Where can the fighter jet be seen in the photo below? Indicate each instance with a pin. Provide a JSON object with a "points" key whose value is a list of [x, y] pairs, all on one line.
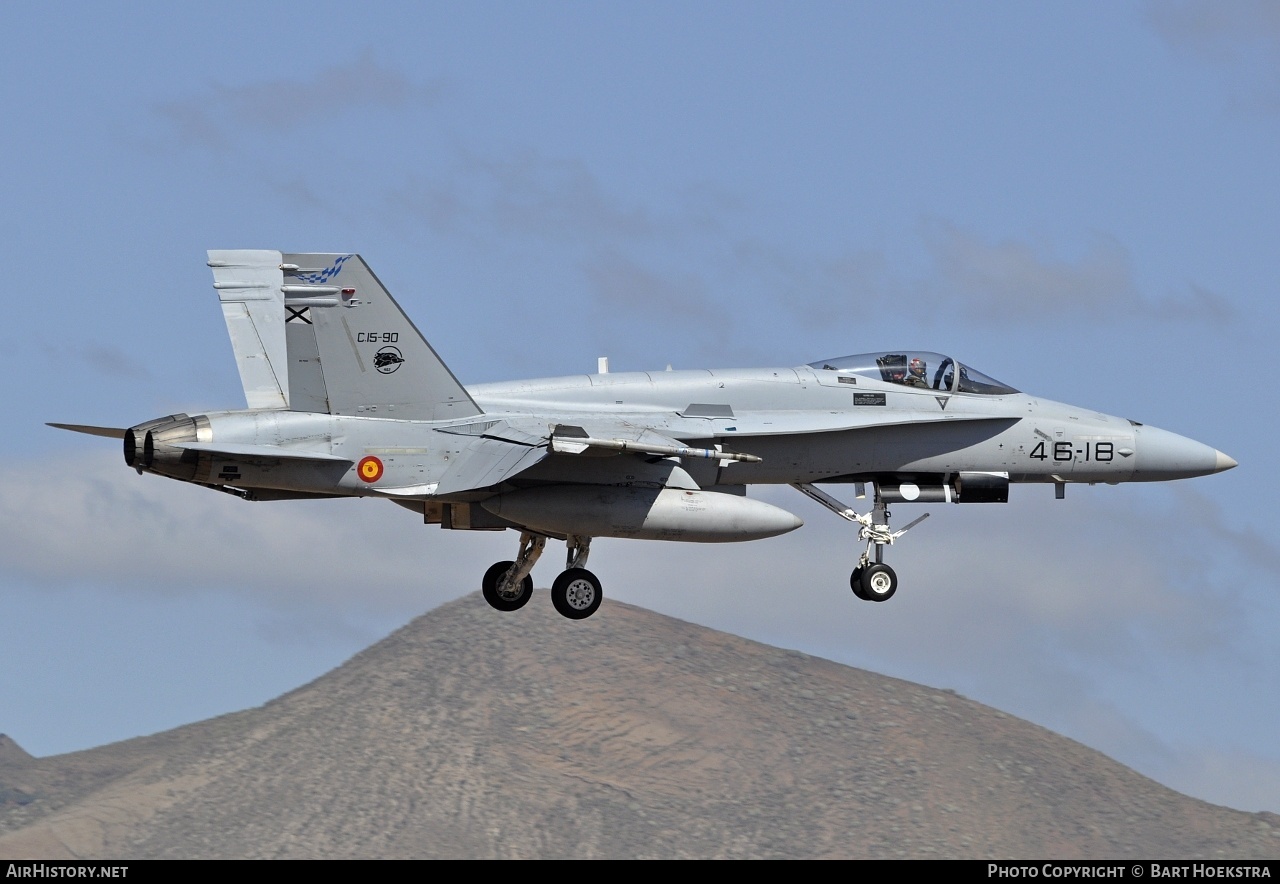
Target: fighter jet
{"points": [[347, 399]]}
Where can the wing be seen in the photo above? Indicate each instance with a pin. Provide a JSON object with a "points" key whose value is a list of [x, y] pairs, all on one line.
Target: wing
{"points": [[496, 453], [501, 451]]}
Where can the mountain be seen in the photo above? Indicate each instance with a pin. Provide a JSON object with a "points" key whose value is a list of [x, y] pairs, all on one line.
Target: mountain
{"points": [[472, 733], [11, 752]]}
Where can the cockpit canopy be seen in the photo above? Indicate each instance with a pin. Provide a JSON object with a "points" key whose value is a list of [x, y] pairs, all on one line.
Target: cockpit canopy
{"points": [[917, 368]]}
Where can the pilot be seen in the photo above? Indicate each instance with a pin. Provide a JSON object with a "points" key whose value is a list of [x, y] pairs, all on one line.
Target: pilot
{"points": [[917, 374]]}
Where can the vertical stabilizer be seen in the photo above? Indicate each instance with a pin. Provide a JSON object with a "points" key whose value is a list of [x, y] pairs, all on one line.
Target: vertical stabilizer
{"points": [[373, 361], [250, 286]]}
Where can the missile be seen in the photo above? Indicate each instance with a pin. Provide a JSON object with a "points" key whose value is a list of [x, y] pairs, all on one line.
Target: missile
{"points": [[579, 444]]}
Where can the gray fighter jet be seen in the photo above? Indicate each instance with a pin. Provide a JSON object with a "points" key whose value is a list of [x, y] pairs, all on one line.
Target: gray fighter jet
{"points": [[347, 399]]}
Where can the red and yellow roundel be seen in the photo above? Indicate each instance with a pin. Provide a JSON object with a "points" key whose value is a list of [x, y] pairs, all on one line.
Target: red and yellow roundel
{"points": [[369, 469]]}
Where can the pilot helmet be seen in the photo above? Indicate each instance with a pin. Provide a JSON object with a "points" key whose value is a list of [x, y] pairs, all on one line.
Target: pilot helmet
{"points": [[917, 367]]}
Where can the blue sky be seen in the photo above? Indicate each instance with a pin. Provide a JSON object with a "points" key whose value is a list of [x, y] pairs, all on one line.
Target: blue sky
{"points": [[1079, 199]]}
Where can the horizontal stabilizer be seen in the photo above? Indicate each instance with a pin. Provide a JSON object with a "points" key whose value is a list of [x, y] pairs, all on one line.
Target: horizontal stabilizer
{"points": [[109, 432], [237, 451]]}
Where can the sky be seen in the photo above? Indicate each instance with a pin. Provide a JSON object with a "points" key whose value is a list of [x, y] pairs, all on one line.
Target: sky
{"points": [[1079, 199]]}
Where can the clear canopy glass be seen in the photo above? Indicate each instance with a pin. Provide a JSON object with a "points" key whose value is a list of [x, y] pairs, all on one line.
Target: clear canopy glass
{"points": [[917, 368]]}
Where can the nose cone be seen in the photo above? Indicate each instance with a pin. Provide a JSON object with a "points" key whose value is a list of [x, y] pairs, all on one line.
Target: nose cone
{"points": [[786, 522], [1163, 455]]}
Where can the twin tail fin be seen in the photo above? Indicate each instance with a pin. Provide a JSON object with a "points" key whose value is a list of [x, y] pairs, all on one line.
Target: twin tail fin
{"points": [[320, 333]]}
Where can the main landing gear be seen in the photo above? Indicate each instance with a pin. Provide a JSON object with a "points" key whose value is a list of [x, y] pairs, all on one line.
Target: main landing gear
{"points": [[576, 593], [872, 581]]}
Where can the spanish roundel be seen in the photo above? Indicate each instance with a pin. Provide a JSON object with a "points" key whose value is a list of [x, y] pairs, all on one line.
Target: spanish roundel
{"points": [[369, 469]]}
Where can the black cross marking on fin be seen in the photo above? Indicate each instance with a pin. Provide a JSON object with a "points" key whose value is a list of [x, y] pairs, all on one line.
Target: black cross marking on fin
{"points": [[299, 313]]}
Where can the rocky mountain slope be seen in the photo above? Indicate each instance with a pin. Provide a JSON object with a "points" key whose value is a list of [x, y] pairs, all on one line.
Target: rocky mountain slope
{"points": [[472, 733]]}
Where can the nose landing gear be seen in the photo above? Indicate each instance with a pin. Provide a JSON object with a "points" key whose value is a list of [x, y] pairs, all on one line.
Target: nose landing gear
{"points": [[872, 581]]}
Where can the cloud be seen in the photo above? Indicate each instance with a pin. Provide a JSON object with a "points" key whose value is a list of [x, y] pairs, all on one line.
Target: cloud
{"points": [[831, 285], [974, 278], [968, 277], [104, 359], [1218, 30], [215, 119], [620, 283], [1012, 280], [525, 199], [301, 195], [524, 193], [1241, 37], [530, 193], [645, 316], [113, 362], [1252, 546], [89, 520]]}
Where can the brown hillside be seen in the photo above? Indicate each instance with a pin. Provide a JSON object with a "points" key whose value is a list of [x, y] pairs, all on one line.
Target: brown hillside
{"points": [[471, 733]]}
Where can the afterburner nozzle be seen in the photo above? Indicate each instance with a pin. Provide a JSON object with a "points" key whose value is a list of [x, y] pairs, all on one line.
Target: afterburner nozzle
{"points": [[153, 446]]}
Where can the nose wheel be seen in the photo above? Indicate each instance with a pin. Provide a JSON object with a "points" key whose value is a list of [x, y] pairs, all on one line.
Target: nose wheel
{"points": [[874, 583]]}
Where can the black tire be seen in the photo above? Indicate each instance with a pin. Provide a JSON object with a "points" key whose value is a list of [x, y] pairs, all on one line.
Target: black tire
{"points": [[879, 583], [489, 586], [576, 594], [855, 583]]}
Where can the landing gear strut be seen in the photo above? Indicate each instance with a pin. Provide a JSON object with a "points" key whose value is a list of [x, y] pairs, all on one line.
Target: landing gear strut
{"points": [[507, 586], [872, 581], [576, 593]]}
